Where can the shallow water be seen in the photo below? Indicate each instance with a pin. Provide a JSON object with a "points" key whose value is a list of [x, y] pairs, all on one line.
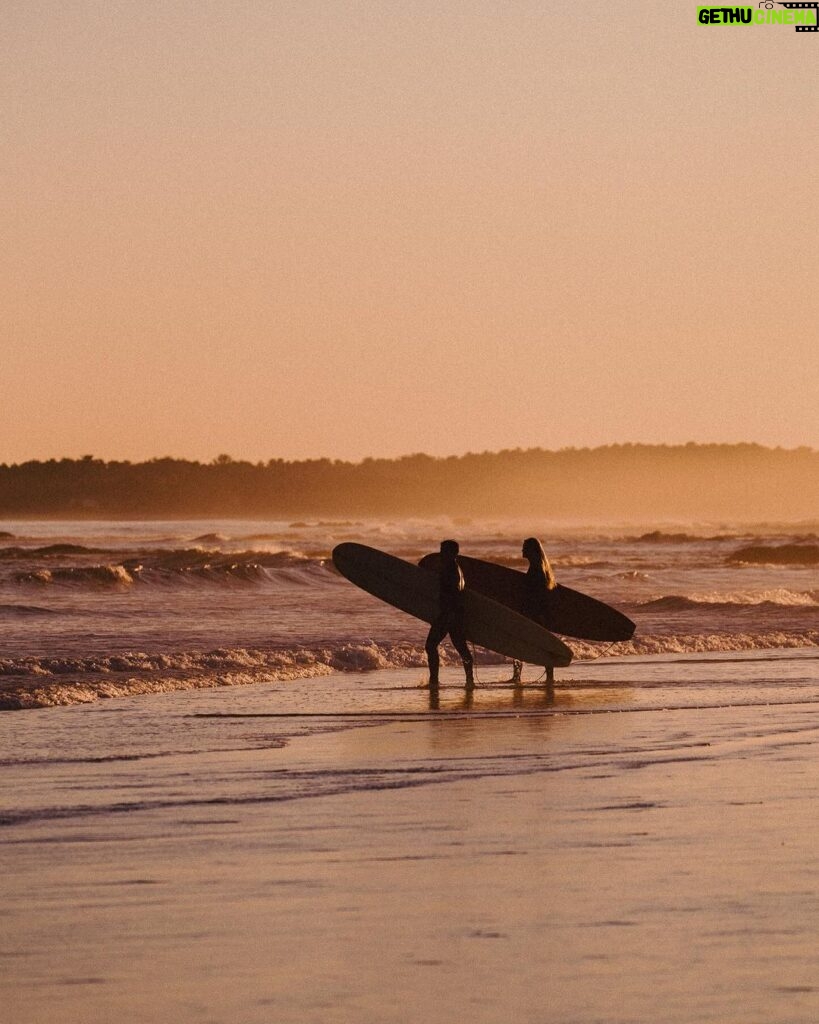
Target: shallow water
{"points": [[90, 609], [637, 845]]}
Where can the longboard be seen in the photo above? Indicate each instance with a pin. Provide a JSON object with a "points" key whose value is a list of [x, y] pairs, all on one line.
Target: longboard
{"points": [[563, 610], [415, 591]]}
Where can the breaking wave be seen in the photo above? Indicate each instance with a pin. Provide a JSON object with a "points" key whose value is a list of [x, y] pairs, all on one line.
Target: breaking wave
{"points": [[95, 575], [32, 682], [184, 565], [706, 643], [49, 551], [781, 554], [660, 537], [779, 598], [578, 562]]}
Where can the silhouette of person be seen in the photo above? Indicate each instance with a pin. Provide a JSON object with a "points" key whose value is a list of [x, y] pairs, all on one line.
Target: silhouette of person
{"points": [[450, 616], [538, 583]]}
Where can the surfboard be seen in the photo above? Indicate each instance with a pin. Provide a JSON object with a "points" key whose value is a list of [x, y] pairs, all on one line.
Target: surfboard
{"points": [[415, 591], [563, 610]]}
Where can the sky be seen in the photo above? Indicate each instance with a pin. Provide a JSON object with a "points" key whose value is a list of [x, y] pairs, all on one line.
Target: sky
{"points": [[330, 228]]}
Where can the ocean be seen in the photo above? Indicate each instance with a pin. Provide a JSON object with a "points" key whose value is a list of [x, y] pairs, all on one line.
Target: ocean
{"points": [[94, 609], [336, 844]]}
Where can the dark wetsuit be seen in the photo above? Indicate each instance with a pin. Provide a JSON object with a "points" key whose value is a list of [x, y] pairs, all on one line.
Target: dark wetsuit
{"points": [[537, 604], [450, 619], [537, 597]]}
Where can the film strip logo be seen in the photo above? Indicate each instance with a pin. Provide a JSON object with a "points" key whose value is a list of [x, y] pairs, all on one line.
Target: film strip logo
{"points": [[814, 5]]}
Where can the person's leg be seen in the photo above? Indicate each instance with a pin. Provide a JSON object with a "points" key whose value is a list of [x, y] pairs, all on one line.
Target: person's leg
{"points": [[456, 635], [437, 632], [550, 683]]}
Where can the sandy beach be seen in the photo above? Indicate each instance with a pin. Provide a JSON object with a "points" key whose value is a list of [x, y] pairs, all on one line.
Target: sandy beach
{"points": [[639, 845]]}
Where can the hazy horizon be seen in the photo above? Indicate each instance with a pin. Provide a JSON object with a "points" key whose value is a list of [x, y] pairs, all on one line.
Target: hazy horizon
{"points": [[622, 481], [238, 457]]}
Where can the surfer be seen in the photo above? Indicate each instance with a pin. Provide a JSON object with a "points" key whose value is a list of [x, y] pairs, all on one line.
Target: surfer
{"points": [[451, 616], [540, 579]]}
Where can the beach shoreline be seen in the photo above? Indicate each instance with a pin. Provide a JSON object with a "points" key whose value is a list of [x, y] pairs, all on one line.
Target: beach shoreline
{"points": [[29, 686], [637, 845], [96, 610]]}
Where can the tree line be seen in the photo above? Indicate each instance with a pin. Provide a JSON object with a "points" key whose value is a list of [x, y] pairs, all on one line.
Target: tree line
{"points": [[741, 481]]}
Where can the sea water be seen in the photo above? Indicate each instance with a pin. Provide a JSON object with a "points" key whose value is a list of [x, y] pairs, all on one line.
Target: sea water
{"points": [[336, 843], [91, 609]]}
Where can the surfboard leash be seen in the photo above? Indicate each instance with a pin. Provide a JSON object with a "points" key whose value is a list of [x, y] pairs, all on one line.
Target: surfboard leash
{"points": [[605, 650], [600, 654]]}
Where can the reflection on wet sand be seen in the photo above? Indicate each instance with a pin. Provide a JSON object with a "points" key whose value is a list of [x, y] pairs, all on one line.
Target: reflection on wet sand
{"points": [[505, 695], [497, 698]]}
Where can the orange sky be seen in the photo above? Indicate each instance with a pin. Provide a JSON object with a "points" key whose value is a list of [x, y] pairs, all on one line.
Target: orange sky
{"points": [[350, 228]]}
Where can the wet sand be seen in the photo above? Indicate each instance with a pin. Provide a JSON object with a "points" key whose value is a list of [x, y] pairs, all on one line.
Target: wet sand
{"points": [[639, 846]]}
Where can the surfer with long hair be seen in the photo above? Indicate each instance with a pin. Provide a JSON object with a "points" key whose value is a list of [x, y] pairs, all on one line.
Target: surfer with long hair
{"points": [[451, 615], [539, 582]]}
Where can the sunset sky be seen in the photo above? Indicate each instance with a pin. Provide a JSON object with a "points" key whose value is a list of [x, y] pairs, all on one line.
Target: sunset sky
{"points": [[291, 229]]}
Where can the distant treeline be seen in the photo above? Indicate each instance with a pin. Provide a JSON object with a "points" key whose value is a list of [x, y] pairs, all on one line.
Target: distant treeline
{"points": [[744, 481]]}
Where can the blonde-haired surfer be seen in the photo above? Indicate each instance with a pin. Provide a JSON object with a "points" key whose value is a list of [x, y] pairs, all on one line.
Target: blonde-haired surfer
{"points": [[539, 579]]}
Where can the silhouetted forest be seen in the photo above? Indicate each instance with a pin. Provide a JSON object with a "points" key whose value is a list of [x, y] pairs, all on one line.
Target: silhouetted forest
{"points": [[740, 482]]}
